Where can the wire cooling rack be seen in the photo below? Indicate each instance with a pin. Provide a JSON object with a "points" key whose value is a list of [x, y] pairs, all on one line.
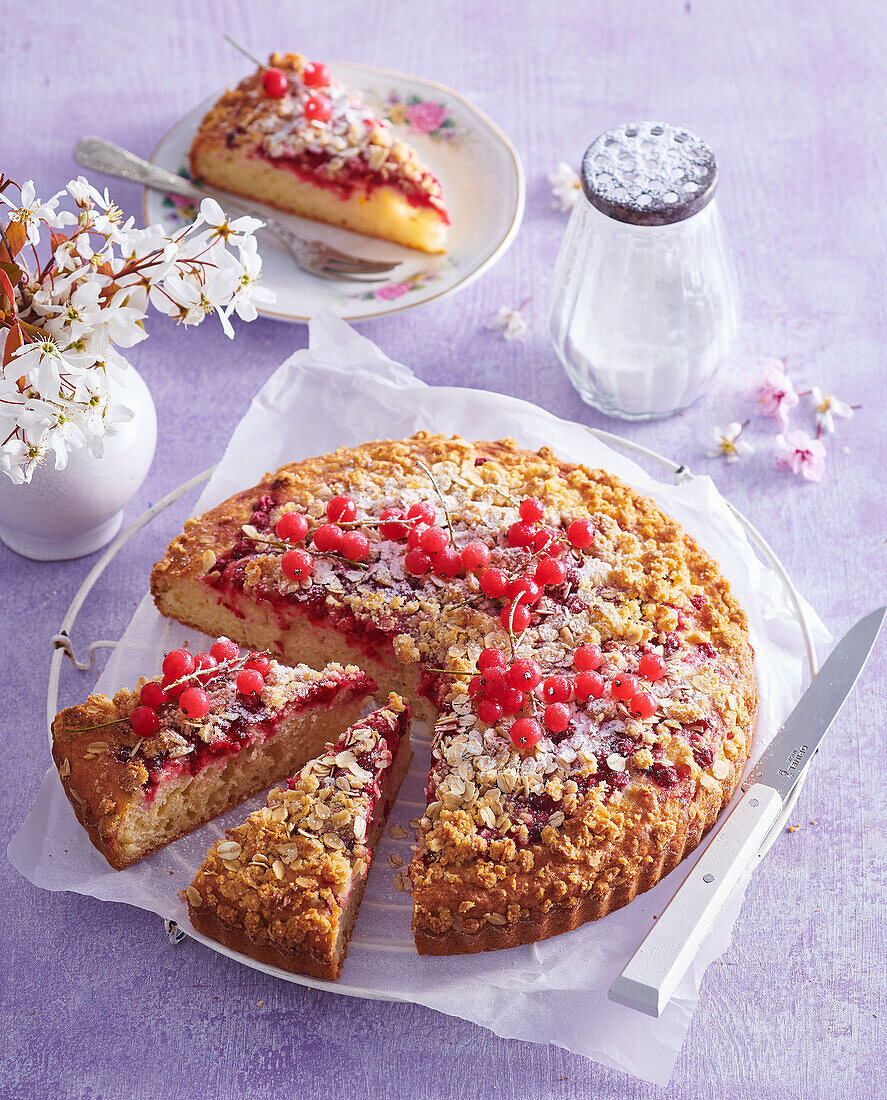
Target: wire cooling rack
{"points": [[64, 647]]}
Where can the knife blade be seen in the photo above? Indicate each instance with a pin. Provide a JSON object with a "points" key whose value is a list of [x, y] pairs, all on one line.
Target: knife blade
{"points": [[799, 736], [653, 973]]}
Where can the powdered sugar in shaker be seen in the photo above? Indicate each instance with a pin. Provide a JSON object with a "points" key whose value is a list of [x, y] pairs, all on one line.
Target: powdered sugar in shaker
{"points": [[645, 302]]}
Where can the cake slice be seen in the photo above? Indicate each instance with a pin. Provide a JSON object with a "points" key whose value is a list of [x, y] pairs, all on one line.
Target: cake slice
{"points": [[285, 886], [150, 765], [291, 137]]}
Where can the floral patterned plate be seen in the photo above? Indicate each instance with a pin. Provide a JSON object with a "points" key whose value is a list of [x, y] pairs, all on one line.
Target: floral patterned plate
{"points": [[479, 170]]}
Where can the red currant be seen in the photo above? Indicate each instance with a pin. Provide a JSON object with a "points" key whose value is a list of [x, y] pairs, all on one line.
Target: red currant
{"points": [[475, 555], [206, 666], [588, 685], [341, 510], [422, 512], [417, 562], [194, 703], [152, 695], [525, 733], [588, 658], [524, 589], [173, 690], [557, 689], [495, 683], [524, 674], [516, 622], [491, 658], [144, 721], [549, 571], [178, 663], [292, 527], [261, 662], [531, 510], [557, 717], [414, 538], [318, 108], [315, 74], [513, 701], [489, 711], [447, 563], [390, 528], [541, 539], [521, 534], [250, 682], [434, 539], [493, 583], [475, 686], [643, 705], [355, 546], [581, 533], [224, 650], [624, 686], [651, 666], [328, 538], [275, 83], [297, 564]]}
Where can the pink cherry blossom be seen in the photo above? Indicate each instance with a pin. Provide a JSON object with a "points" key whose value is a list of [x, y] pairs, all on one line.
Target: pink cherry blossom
{"points": [[774, 392], [393, 290], [801, 455], [425, 118]]}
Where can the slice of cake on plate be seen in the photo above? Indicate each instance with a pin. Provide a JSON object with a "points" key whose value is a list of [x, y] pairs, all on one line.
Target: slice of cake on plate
{"points": [[285, 886], [150, 765], [291, 137]]}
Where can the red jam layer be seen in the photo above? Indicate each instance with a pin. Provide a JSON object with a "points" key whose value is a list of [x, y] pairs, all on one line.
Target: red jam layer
{"points": [[250, 726], [359, 177]]}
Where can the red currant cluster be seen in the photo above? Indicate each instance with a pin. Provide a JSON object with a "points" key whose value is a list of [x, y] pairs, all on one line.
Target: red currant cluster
{"points": [[501, 689], [329, 538], [318, 107], [429, 548], [184, 676], [521, 593]]}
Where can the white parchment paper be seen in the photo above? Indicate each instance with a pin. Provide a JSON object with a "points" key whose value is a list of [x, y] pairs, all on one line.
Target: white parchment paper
{"points": [[343, 390]]}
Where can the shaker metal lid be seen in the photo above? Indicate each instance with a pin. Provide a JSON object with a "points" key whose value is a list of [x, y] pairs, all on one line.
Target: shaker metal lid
{"points": [[649, 173]]}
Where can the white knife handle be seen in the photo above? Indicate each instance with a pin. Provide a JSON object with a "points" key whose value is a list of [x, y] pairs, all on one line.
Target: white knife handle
{"points": [[652, 975]]}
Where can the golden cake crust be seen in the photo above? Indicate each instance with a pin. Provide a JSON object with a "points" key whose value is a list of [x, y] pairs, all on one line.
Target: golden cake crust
{"points": [[489, 872], [284, 887]]}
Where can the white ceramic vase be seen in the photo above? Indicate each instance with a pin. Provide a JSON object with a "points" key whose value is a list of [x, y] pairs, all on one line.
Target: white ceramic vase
{"points": [[68, 513]]}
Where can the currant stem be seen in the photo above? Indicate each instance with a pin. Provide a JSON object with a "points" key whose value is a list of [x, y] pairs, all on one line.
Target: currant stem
{"points": [[443, 502], [245, 53]]}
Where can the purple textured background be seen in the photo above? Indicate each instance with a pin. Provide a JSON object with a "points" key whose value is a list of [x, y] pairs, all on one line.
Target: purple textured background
{"points": [[789, 94]]}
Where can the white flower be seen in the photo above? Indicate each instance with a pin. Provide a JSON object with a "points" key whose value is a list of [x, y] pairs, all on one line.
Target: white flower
{"points": [[42, 365], [565, 186], [249, 291], [728, 444], [511, 322], [827, 408], [14, 456], [31, 212], [213, 215]]}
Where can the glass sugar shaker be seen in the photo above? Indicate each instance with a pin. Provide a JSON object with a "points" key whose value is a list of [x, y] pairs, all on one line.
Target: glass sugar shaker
{"points": [[645, 303]]}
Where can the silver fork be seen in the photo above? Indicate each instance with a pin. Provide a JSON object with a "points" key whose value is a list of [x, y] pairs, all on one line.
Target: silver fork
{"points": [[312, 256]]}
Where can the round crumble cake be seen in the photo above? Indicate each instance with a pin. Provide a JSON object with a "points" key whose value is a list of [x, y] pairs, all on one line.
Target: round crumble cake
{"points": [[586, 665]]}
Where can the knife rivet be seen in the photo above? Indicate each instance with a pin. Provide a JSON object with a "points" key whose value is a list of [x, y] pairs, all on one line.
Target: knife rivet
{"points": [[708, 878], [753, 802]]}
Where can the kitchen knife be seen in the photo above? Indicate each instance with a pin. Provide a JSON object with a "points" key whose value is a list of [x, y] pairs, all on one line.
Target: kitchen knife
{"points": [[652, 975]]}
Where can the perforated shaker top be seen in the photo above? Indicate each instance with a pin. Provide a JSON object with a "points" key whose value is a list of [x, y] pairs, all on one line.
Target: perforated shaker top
{"points": [[649, 173]]}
